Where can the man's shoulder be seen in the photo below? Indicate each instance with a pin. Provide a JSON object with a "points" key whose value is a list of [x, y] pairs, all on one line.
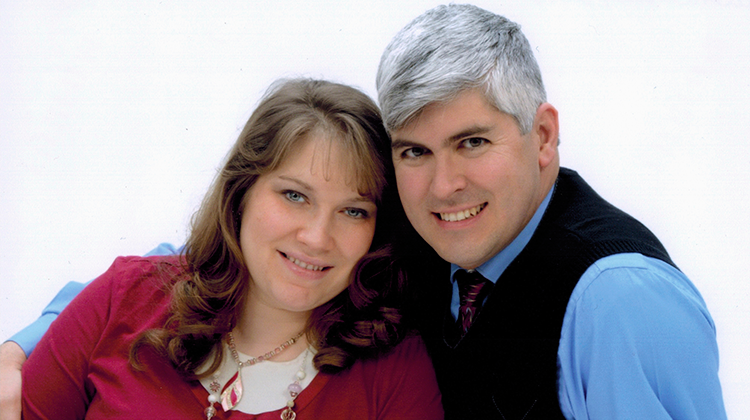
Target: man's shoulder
{"points": [[591, 225], [578, 206], [632, 280], [636, 323]]}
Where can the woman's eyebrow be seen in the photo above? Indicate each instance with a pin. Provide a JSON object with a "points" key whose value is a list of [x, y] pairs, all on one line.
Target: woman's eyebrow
{"points": [[296, 181], [359, 198]]}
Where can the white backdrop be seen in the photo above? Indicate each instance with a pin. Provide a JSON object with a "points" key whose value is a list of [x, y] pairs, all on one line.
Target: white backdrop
{"points": [[115, 115]]}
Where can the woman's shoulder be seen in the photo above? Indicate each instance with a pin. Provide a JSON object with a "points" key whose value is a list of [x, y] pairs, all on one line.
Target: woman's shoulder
{"points": [[409, 357], [147, 264], [138, 281], [410, 348], [132, 269], [400, 383]]}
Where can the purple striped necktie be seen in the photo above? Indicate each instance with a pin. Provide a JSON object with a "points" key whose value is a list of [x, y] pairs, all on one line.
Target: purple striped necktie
{"points": [[472, 289]]}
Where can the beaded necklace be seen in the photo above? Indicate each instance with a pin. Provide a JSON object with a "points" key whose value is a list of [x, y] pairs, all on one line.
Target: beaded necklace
{"points": [[232, 392]]}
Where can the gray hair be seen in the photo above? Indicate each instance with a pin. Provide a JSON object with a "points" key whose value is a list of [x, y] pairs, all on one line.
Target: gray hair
{"points": [[450, 49]]}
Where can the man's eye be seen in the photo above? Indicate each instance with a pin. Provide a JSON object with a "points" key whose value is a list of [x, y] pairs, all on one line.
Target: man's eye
{"points": [[473, 142], [294, 196], [413, 152]]}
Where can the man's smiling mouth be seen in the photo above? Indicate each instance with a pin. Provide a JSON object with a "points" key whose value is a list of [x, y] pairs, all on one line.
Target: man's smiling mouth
{"points": [[461, 215]]}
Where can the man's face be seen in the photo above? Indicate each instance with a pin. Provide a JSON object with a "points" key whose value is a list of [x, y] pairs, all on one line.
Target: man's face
{"points": [[469, 181]]}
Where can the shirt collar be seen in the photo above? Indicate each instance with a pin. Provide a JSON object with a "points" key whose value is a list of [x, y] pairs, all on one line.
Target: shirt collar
{"points": [[495, 266]]}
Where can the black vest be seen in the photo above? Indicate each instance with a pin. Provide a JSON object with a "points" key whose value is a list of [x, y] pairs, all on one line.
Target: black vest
{"points": [[505, 367]]}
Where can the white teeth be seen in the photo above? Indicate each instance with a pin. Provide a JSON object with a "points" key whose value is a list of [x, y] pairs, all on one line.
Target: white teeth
{"points": [[304, 264], [461, 215]]}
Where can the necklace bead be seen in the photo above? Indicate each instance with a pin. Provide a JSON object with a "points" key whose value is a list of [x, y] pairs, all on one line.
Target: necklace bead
{"points": [[295, 388]]}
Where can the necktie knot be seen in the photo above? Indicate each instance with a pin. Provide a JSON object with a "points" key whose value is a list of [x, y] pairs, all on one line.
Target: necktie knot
{"points": [[472, 289]]}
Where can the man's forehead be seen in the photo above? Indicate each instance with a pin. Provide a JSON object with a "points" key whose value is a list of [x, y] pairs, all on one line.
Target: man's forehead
{"points": [[465, 115]]}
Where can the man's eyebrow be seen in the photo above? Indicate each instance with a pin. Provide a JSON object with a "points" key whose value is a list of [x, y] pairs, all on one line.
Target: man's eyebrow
{"points": [[399, 144], [468, 132]]}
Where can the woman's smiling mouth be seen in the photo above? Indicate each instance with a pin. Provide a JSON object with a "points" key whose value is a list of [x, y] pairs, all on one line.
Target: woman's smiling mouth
{"points": [[303, 264]]}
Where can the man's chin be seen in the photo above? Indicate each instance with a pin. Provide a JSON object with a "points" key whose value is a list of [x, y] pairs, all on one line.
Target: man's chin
{"points": [[456, 254]]}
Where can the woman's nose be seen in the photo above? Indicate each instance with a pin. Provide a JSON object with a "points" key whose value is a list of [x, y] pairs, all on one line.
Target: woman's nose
{"points": [[316, 233]]}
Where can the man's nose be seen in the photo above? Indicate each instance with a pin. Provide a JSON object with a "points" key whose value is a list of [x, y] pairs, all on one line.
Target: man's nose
{"points": [[448, 176]]}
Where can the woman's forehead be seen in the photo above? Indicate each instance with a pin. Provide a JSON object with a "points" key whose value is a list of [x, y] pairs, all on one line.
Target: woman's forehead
{"points": [[338, 156], [328, 156]]}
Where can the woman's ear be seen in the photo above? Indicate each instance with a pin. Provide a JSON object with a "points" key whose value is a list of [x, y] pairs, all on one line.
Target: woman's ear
{"points": [[546, 129]]}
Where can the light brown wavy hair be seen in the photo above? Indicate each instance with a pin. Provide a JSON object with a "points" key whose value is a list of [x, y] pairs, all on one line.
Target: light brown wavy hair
{"points": [[365, 319]]}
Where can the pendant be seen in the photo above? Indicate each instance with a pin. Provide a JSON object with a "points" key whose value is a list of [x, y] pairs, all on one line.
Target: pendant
{"points": [[232, 392], [288, 414]]}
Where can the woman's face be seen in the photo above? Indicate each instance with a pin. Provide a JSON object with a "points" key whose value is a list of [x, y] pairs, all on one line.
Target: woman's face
{"points": [[304, 227]]}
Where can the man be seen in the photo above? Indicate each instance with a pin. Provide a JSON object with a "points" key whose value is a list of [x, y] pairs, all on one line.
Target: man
{"points": [[585, 315], [582, 313]]}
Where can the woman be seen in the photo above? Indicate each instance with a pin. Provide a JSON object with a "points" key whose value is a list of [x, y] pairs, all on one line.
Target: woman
{"points": [[283, 304]]}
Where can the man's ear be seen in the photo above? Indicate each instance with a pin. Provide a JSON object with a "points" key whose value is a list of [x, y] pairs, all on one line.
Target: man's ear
{"points": [[547, 129]]}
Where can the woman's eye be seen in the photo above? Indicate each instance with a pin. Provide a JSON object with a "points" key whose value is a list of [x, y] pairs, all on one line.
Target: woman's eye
{"points": [[294, 196], [356, 213]]}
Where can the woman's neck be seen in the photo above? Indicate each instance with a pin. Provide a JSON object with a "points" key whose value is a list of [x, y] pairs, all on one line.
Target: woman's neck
{"points": [[261, 329]]}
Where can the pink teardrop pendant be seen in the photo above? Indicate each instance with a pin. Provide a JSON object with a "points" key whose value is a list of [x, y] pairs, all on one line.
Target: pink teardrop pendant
{"points": [[232, 392]]}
